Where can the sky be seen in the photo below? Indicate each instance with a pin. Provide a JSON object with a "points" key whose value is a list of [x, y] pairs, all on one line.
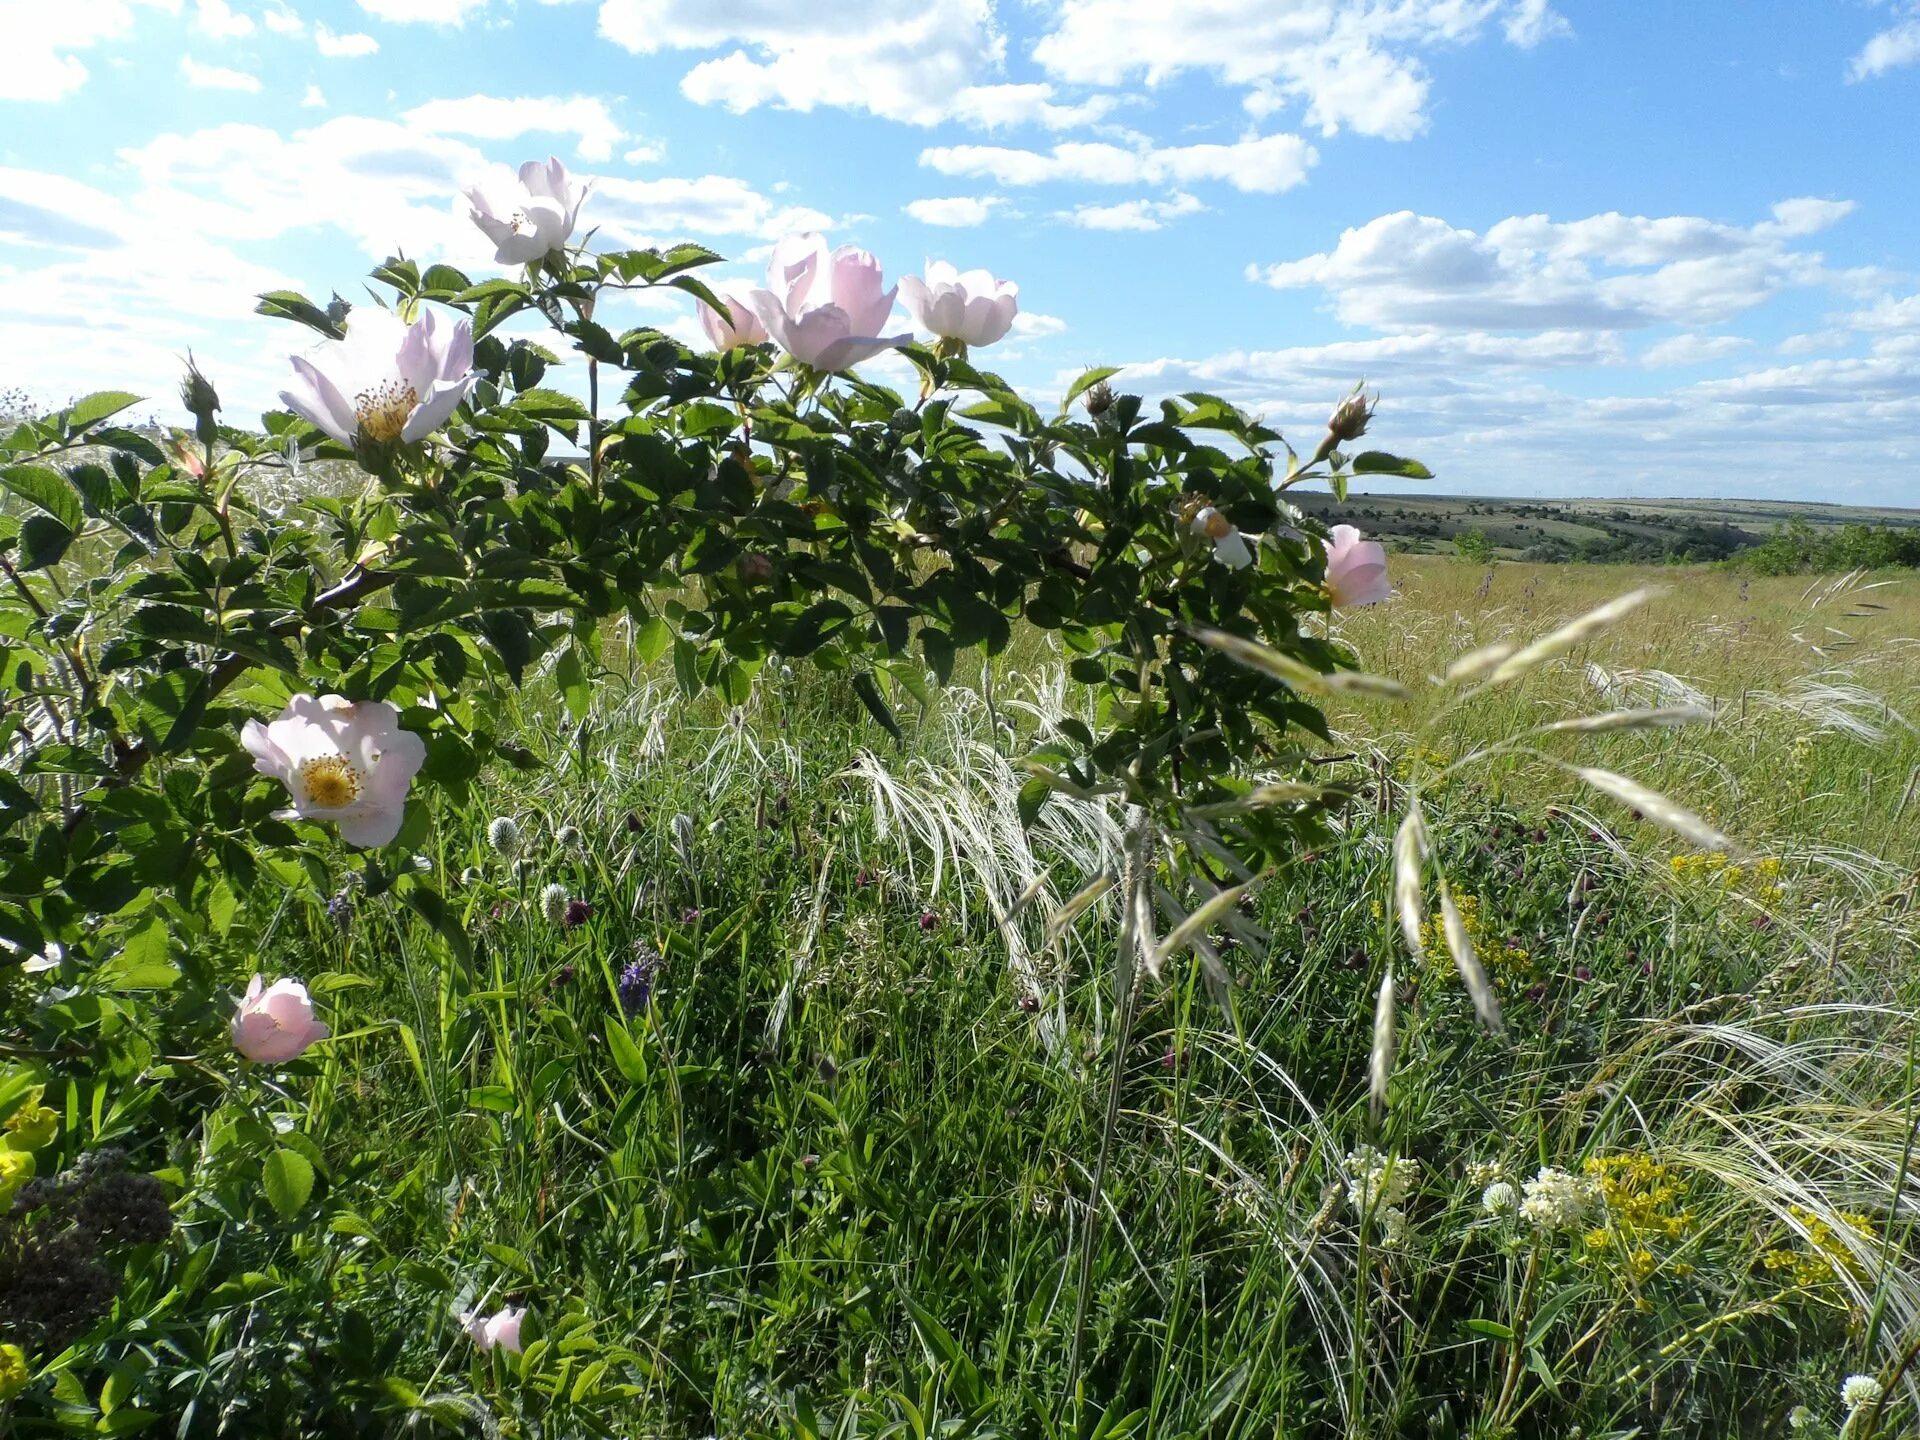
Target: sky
{"points": [[1580, 247]]}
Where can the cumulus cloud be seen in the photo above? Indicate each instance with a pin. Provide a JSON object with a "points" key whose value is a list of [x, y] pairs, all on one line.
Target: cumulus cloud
{"points": [[38, 41], [220, 21], [958, 211], [342, 47], [1680, 350], [1608, 272], [1892, 48], [488, 117], [1266, 164], [216, 77], [904, 60], [1133, 214], [428, 12], [1349, 64]]}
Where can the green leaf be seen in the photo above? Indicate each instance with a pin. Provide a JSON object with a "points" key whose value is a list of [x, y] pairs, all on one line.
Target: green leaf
{"points": [[43, 541], [1088, 379], [291, 305], [627, 1058], [47, 488], [288, 1180], [571, 676], [1032, 799], [870, 696], [1492, 1329], [1378, 462], [550, 407], [92, 409]]}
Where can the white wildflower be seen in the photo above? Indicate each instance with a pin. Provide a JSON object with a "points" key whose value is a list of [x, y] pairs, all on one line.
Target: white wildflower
{"points": [[1557, 1200], [553, 903], [1500, 1198], [568, 837], [1859, 1391], [1394, 1229], [1482, 1173], [1376, 1180], [504, 836]]}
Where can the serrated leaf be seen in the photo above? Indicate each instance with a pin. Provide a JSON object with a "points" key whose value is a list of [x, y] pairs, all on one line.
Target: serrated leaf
{"points": [[92, 409], [287, 1178], [47, 488]]}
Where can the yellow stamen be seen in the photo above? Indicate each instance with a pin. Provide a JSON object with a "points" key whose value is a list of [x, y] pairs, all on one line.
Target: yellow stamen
{"points": [[330, 782], [383, 410]]}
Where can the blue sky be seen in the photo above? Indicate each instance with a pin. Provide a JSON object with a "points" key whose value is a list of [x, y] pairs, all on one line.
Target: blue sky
{"points": [[1581, 247]]}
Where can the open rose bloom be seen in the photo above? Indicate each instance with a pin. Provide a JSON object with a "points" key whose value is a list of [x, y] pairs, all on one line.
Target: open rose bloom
{"points": [[1356, 569], [825, 308], [274, 1023], [340, 761], [973, 308], [388, 381], [500, 1329], [531, 215], [1230, 547], [739, 326]]}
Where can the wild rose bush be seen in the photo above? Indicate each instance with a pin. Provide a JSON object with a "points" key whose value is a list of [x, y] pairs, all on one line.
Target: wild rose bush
{"points": [[217, 701]]}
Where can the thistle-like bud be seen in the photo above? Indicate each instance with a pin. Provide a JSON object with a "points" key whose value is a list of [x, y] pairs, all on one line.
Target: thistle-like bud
{"points": [[504, 836], [553, 904], [1098, 399], [201, 401], [568, 837], [1349, 419]]}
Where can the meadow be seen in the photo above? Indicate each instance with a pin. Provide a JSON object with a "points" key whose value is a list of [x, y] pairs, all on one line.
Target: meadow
{"points": [[833, 1177]]}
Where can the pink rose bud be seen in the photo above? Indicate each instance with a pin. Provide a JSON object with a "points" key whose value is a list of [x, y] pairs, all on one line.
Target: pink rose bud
{"points": [[274, 1023], [1356, 569], [501, 1329]]}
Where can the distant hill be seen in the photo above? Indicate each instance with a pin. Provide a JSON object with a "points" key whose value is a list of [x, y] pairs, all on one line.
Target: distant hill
{"points": [[1637, 531]]}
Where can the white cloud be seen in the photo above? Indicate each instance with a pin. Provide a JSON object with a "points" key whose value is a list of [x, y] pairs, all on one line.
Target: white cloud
{"points": [[313, 99], [1408, 271], [36, 36], [1133, 214], [1031, 325], [954, 210], [1814, 341], [430, 12], [1264, 164], [216, 77], [1352, 64], [220, 20], [649, 152], [1679, 350], [997, 107], [487, 117], [1889, 50], [282, 21], [917, 61], [644, 212], [342, 47]]}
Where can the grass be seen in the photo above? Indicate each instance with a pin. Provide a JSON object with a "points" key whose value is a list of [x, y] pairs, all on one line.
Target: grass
{"points": [[834, 1177]]}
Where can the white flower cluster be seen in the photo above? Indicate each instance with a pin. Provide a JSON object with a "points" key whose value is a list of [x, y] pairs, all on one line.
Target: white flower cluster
{"points": [[1860, 1391], [1500, 1198], [1376, 1180], [1482, 1173], [504, 836], [1557, 1199], [553, 903]]}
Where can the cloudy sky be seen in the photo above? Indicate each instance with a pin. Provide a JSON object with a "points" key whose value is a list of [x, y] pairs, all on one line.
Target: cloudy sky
{"points": [[1580, 246]]}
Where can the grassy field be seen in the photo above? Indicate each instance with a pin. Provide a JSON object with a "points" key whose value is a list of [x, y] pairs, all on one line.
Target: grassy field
{"points": [[1542, 529], [831, 1173]]}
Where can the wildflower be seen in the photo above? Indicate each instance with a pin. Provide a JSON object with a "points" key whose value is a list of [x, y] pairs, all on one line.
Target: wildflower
{"points": [[825, 308], [340, 910], [504, 836], [347, 762], [1230, 547], [1557, 1200], [1582, 974], [274, 1023], [471, 875], [1394, 1229], [577, 913], [500, 1330], [1484, 1172], [553, 904], [388, 381], [1800, 1418], [568, 837], [1376, 1180], [564, 976], [635, 986], [13, 1371], [1499, 1198], [1356, 569], [531, 216], [1098, 399], [928, 920], [690, 914], [1350, 418], [1029, 1004], [33, 1124], [738, 325], [1859, 1391], [16, 1169], [971, 307]]}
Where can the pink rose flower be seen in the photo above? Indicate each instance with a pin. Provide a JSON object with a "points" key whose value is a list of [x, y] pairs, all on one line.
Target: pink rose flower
{"points": [[1356, 569], [340, 761], [274, 1023]]}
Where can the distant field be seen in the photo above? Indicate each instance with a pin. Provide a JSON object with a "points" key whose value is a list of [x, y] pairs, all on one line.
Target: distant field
{"points": [[1552, 530]]}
